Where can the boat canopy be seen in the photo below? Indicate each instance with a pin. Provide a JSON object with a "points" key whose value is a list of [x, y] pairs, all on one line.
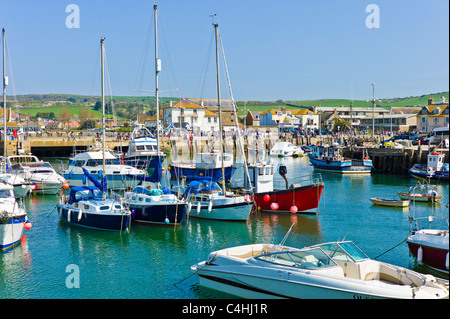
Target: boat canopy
{"points": [[203, 185], [84, 193], [145, 191]]}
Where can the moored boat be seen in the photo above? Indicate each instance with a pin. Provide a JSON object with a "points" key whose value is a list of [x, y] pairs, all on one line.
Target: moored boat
{"points": [[390, 202], [206, 165], [428, 239], [207, 200], [286, 149], [330, 159], [421, 193], [35, 172], [336, 270], [435, 169], [13, 218], [302, 196]]}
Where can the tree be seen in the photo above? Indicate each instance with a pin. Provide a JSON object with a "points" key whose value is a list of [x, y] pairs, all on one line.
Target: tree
{"points": [[340, 124], [65, 115], [84, 115]]}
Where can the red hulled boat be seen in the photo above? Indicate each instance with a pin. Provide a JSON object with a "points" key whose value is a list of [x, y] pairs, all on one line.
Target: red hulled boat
{"points": [[300, 197]]}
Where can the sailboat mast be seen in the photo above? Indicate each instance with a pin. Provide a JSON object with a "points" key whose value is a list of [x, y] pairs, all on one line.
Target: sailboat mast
{"points": [[157, 70], [4, 103], [102, 40], [216, 28]]}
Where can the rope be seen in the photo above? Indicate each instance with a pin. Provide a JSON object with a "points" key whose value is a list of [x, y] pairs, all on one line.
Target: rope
{"points": [[391, 248]]}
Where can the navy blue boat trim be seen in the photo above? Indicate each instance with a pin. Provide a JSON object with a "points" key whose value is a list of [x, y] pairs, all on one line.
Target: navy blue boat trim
{"points": [[238, 285]]}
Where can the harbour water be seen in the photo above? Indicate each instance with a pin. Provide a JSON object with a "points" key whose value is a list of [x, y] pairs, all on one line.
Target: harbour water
{"points": [[150, 261]]}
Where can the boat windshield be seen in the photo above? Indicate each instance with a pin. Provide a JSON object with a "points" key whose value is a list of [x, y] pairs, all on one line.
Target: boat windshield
{"points": [[307, 259], [346, 251]]}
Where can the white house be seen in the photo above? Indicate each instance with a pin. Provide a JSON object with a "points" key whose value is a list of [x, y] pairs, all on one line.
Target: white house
{"points": [[190, 115]]}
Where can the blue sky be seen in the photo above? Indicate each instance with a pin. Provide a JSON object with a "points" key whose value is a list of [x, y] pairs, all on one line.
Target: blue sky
{"points": [[284, 49]]}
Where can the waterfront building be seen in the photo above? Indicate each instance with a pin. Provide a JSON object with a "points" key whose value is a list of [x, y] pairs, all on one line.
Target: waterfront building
{"points": [[434, 115]]}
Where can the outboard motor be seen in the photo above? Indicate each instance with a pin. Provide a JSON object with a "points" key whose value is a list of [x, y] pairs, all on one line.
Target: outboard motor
{"points": [[282, 170]]}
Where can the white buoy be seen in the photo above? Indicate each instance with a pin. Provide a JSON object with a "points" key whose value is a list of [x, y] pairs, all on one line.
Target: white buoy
{"points": [[68, 215], [420, 254], [199, 207], [189, 207]]}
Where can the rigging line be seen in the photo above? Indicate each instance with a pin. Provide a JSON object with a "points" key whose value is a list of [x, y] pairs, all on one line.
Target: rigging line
{"points": [[144, 56], [205, 68], [235, 111], [16, 104], [108, 79], [167, 49], [95, 70]]}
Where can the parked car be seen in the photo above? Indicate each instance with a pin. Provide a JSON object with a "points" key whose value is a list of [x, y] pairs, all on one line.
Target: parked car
{"points": [[420, 141], [408, 136]]}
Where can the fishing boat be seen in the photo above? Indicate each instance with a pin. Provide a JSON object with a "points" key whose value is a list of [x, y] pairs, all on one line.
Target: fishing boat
{"points": [[435, 169], [390, 202], [116, 172], [428, 238], [286, 149], [422, 193], [207, 200], [302, 196], [330, 159], [142, 148], [13, 218], [35, 172], [336, 270], [152, 204], [206, 165]]}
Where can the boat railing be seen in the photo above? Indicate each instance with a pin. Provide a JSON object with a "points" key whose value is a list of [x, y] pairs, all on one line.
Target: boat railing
{"points": [[298, 181]]}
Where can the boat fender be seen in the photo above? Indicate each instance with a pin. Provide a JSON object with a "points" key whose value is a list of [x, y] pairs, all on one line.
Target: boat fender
{"points": [[210, 206], [446, 261], [199, 207], [420, 254], [211, 258], [80, 213], [189, 207], [68, 215]]}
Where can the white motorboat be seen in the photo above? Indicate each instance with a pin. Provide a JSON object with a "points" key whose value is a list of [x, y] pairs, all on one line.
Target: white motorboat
{"points": [[286, 149], [41, 174], [21, 186], [142, 148], [116, 172], [13, 218], [337, 270]]}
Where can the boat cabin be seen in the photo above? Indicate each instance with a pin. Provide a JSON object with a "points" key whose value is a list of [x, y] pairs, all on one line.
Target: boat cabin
{"points": [[435, 161], [321, 152], [93, 159], [213, 159], [261, 177]]}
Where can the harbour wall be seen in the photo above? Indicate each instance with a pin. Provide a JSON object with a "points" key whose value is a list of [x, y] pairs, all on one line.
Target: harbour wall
{"points": [[391, 161]]}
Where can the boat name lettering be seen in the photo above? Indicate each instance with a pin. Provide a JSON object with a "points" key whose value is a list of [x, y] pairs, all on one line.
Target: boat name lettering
{"points": [[361, 297]]}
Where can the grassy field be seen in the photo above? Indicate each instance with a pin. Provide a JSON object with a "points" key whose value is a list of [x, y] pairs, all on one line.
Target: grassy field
{"points": [[34, 103]]}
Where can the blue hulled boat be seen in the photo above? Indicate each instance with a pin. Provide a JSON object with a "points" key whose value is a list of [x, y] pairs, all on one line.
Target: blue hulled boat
{"points": [[155, 205], [206, 165], [435, 169], [330, 159], [86, 207]]}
